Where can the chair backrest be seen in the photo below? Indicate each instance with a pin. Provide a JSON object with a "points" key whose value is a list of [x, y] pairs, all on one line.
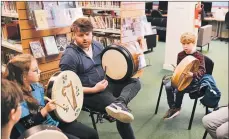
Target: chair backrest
{"points": [[204, 35], [227, 20], [156, 13], [209, 65]]}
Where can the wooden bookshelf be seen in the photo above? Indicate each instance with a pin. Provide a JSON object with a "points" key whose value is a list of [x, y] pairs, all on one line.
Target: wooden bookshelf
{"points": [[15, 47], [114, 31], [3, 68], [127, 9], [50, 64], [13, 15], [102, 8]]}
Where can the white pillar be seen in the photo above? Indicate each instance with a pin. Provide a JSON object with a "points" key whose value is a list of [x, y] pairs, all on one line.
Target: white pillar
{"points": [[180, 19]]}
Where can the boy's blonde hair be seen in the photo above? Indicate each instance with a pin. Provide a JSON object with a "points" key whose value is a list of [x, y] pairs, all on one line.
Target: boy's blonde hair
{"points": [[187, 38]]}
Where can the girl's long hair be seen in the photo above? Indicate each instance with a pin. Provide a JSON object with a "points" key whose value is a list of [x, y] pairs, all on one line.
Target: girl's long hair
{"points": [[16, 69]]}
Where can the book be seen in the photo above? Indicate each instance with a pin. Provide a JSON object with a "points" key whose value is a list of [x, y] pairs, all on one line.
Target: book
{"points": [[67, 4], [48, 6], [65, 19], [75, 13], [41, 19], [33, 5], [17, 41], [50, 45], [61, 42], [36, 49]]}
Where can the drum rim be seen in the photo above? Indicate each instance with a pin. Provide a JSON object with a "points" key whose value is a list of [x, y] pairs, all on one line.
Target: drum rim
{"points": [[51, 83], [175, 77], [35, 129], [126, 54], [49, 93]]}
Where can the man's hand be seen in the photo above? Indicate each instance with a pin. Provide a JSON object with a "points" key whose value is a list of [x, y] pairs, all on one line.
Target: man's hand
{"points": [[100, 86]]}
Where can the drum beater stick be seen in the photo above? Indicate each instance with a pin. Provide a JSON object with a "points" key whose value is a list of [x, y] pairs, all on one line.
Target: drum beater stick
{"points": [[48, 99], [105, 72]]}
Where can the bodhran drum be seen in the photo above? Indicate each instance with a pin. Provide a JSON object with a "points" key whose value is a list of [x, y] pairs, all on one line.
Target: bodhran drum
{"points": [[179, 79], [66, 89], [120, 62], [43, 132]]}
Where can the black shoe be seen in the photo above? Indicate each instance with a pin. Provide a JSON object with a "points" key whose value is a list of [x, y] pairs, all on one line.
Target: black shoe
{"points": [[120, 112], [171, 113]]}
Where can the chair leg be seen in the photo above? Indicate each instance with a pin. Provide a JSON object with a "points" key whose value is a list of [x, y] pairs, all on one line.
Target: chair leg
{"points": [[201, 49], [159, 97], [192, 116], [93, 120], [208, 46], [205, 134], [206, 112]]}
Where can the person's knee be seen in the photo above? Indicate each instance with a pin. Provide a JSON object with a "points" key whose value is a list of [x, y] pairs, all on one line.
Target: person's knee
{"points": [[138, 84], [221, 133], [93, 135], [168, 88], [206, 121]]}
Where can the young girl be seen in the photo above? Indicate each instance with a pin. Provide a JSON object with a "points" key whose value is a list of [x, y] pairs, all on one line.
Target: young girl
{"points": [[24, 70]]}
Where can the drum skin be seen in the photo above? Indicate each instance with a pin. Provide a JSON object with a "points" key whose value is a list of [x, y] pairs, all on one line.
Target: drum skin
{"points": [[179, 79], [43, 132], [121, 62], [65, 87]]}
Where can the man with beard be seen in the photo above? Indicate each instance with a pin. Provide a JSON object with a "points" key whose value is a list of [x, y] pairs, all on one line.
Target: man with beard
{"points": [[83, 56]]}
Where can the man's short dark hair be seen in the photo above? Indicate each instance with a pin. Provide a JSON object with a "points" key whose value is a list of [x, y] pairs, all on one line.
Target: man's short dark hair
{"points": [[82, 25], [11, 96]]}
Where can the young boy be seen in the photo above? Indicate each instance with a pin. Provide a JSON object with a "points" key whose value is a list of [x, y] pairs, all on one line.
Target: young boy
{"points": [[11, 96], [188, 41]]}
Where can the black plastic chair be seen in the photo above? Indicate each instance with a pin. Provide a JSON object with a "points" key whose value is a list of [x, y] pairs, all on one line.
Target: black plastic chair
{"points": [[100, 116], [227, 23], [156, 13], [209, 65], [227, 20]]}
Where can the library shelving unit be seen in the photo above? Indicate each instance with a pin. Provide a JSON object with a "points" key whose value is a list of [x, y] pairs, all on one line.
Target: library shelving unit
{"points": [[50, 64], [126, 9]]}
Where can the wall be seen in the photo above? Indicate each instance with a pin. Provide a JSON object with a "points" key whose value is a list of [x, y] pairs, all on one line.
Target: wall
{"points": [[180, 19], [223, 5]]}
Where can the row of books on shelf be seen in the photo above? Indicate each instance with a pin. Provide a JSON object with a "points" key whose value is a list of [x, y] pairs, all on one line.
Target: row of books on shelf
{"points": [[9, 7], [107, 40], [51, 14], [53, 45], [101, 4], [47, 5], [56, 44], [59, 17], [105, 22]]}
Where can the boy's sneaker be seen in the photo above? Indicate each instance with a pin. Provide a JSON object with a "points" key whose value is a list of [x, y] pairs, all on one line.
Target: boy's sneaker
{"points": [[120, 112], [171, 113]]}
